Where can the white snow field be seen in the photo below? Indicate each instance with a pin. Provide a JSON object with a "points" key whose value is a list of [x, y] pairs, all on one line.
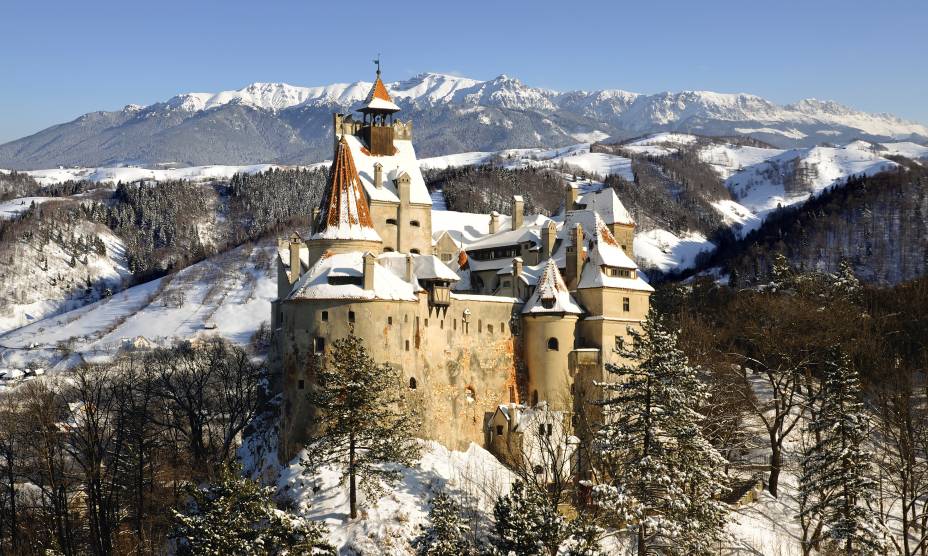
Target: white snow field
{"points": [[134, 173]]}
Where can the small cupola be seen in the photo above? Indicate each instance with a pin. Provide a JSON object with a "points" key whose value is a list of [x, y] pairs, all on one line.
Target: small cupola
{"points": [[377, 115]]}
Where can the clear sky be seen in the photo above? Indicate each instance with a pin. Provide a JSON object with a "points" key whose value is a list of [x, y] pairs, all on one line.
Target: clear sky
{"points": [[60, 59]]}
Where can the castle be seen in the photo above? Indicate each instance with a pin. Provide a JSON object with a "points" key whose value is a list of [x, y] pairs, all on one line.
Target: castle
{"points": [[501, 312]]}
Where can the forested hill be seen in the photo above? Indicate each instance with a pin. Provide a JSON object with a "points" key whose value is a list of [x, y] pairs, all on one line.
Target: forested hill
{"points": [[878, 224]]}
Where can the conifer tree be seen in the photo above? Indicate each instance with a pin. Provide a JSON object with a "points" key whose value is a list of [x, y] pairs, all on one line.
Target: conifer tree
{"points": [[664, 476], [835, 483], [446, 533], [361, 420], [236, 516], [526, 525]]}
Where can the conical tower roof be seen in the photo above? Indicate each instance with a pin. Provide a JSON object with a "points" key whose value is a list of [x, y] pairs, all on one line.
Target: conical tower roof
{"points": [[345, 214], [378, 100], [551, 295]]}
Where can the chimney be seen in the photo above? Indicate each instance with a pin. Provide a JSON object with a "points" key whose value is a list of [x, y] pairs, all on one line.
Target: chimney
{"points": [[369, 261], [571, 199], [409, 269], [518, 211], [548, 237], [314, 225], [574, 257], [378, 175], [494, 222], [516, 275], [402, 187], [295, 265]]}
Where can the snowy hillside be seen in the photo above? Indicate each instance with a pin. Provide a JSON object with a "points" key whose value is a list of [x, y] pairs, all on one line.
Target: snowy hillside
{"points": [[127, 174]]}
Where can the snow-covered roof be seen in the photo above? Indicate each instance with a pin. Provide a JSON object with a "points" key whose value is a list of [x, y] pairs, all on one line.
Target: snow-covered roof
{"points": [[523, 417], [592, 276], [507, 237], [424, 267], [551, 295], [345, 214], [379, 99], [316, 283], [607, 204], [403, 160], [530, 274]]}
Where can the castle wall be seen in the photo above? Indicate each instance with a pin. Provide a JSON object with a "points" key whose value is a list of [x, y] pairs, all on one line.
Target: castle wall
{"points": [[462, 359], [625, 235], [400, 234]]}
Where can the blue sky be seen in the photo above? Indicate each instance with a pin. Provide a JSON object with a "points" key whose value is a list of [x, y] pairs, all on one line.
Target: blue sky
{"points": [[61, 59]]}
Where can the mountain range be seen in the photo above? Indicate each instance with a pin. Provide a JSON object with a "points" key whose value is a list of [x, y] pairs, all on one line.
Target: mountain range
{"points": [[286, 124]]}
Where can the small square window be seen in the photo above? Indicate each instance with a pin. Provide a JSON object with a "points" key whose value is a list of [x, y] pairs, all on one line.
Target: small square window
{"points": [[490, 328], [318, 345], [350, 316], [325, 315]]}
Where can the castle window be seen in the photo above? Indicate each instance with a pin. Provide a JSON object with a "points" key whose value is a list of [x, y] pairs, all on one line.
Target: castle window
{"points": [[446, 257], [387, 249], [552, 344], [405, 318], [479, 325], [499, 430], [301, 384], [455, 324], [489, 328], [414, 223], [391, 221], [441, 324], [318, 345], [626, 304], [389, 321], [412, 383], [407, 345], [502, 328], [426, 322], [350, 316], [414, 251], [325, 315]]}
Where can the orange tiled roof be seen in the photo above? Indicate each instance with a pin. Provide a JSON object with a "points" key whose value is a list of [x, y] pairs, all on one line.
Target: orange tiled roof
{"points": [[344, 204]]}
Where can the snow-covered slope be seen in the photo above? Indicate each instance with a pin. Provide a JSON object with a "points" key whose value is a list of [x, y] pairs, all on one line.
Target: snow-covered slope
{"points": [[134, 173]]}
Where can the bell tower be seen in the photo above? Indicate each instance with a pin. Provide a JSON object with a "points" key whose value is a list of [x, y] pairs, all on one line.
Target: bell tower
{"points": [[377, 119]]}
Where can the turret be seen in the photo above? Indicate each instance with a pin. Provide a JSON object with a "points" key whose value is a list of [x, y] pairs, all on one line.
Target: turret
{"points": [[377, 114]]}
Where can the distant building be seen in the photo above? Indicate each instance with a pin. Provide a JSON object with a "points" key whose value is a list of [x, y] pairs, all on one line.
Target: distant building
{"points": [[527, 312]]}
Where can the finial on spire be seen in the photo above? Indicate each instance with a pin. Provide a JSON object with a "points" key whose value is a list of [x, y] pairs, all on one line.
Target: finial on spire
{"points": [[377, 61]]}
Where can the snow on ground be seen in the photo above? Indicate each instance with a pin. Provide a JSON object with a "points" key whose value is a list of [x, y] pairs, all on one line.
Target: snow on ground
{"points": [[456, 160], [132, 173], [388, 523], [791, 133], [667, 252], [905, 148], [15, 207], [730, 159], [229, 295], [578, 156], [738, 217]]}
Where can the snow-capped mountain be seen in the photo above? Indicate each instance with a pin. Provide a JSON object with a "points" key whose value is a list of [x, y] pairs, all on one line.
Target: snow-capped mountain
{"points": [[282, 123]]}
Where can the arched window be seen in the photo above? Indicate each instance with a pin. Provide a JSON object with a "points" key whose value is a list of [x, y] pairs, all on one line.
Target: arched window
{"points": [[552, 344], [412, 383]]}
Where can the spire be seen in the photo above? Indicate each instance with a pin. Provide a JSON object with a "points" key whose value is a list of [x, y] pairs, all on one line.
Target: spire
{"points": [[378, 99], [551, 294], [345, 214]]}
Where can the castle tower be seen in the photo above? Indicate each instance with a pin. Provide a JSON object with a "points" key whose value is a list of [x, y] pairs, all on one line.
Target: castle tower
{"points": [[377, 119], [344, 222], [549, 320]]}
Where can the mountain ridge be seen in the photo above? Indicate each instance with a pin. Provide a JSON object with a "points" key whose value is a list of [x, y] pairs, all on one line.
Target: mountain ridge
{"points": [[283, 123]]}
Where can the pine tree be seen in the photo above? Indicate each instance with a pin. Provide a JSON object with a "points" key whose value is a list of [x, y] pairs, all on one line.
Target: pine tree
{"points": [[361, 420], [446, 534], [236, 516], [526, 525], [835, 484], [665, 476]]}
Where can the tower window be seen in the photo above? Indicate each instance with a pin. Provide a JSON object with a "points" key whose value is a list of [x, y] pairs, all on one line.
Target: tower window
{"points": [[387, 249], [389, 321], [499, 430], [552, 344], [479, 325], [318, 345], [455, 324], [350, 316], [414, 251], [414, 223], [412, 383], [325, 315], [407, 345], [626, 304]]}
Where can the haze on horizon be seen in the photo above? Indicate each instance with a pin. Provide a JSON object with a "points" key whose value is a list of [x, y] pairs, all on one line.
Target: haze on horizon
{"points": [[66, 59]]}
